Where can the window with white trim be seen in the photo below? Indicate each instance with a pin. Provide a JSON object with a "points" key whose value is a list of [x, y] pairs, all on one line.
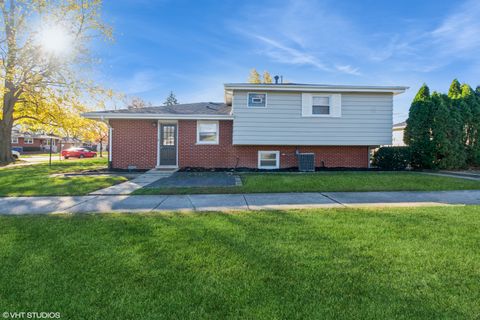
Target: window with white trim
{"points": [[320, 105], [28, 140], [207, 132], [15, 140], [257, 100], [268, 159]]}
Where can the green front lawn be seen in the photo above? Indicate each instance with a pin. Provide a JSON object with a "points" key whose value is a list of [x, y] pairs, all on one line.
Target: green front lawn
{"points": [[408, 263], [35, 180], [330, 182]]}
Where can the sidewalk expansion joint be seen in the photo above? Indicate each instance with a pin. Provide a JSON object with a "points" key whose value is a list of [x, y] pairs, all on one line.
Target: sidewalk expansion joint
{"points": [[193, 206], [158, 205], [246, 202], [334, 200], [77, 204]]}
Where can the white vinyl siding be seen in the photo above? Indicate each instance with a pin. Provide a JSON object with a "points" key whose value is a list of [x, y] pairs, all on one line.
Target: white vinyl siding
{"points": [[268, 159], [207, 132], [363, 119]]}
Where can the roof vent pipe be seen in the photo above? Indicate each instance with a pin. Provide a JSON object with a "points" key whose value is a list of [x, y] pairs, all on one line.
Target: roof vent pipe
{"points": [[276, 79]]}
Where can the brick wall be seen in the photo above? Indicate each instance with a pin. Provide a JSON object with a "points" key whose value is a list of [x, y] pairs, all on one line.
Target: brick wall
{"points": [[134, 142], [225, 155], [35, 146]]}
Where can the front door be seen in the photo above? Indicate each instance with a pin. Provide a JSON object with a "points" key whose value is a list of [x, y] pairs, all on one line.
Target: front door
{"points": [[168, 145]]}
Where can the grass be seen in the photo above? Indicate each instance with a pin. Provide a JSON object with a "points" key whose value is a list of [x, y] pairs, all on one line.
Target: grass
{"points": [[35, 180], [403, 263], [33, 155], [330, 182]]}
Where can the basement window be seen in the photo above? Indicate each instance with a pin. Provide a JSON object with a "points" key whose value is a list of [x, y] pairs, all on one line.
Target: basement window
{"points": [[268, 159]]}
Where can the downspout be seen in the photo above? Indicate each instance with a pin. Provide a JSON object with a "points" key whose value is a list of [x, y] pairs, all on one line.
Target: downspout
{"points": [[110, 129]]}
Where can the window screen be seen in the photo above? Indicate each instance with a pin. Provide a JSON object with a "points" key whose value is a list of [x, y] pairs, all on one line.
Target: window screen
{"points": [[321, 105]]}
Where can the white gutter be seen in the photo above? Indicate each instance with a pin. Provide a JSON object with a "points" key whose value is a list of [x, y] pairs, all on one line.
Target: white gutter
{"points": [[315, 88], [106, 115]]}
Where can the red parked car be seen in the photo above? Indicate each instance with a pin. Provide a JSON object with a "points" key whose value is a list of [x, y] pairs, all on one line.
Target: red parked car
{"points": [[78, 153]]}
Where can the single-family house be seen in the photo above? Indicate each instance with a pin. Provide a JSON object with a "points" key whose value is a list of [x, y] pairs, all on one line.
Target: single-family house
{"points": [[26, 142], [397, 134], [265, 126]]}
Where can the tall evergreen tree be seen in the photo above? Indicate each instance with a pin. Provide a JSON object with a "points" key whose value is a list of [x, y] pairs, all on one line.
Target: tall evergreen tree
{"points": [[471, 114], [459, 115], [473, 99], [171, 99], [254, 76], [455, 90], [440, 131], [418, 129]]}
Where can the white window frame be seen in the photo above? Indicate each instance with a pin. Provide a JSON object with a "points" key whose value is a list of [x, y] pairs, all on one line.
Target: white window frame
{"points": [[256, 107], [334, 103], [217, 123], [329, 114], [26, 139], [277, 158], [14, 140]]}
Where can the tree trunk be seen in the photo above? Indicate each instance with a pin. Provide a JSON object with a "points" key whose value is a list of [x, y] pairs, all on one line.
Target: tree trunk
{"points": [[101, 149], [11, 92], [5, 142]]}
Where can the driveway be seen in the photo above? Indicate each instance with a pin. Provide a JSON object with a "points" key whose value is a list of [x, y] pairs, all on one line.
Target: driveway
{"points": [[228, 202], [39, 159]]}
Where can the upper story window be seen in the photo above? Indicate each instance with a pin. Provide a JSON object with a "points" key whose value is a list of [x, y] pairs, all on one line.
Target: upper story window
{"points": [[321, 105], [28, 140], [15, 140], [207, 132], [257, 100]]}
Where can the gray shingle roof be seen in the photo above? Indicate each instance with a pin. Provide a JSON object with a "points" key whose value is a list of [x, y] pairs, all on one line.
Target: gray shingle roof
{"points": [[199, 108]]}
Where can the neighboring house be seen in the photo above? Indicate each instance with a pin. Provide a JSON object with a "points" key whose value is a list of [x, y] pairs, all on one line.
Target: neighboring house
{"points": [[25, 142], [258, 126], [397, 134], [71, 143]]}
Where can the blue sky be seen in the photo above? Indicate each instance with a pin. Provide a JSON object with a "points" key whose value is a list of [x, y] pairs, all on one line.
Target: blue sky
{"points": [[193, 47]]}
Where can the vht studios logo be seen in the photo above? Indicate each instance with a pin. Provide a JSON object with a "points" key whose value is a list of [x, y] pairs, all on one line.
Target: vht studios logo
{"points": [[30, 315]]}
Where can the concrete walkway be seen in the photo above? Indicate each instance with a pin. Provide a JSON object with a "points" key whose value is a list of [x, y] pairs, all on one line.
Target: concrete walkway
{"points": [[226, 202], [141, 181]]}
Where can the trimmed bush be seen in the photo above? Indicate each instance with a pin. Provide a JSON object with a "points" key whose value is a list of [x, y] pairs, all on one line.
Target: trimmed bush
{"points": [[392, 158]]}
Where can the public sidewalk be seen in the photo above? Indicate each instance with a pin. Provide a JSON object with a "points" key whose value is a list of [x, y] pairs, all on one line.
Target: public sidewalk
{"points": [[227, 202]]}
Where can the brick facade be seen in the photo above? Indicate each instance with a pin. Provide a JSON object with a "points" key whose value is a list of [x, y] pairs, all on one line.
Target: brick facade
{"points": [[134, 142], [226, 155]]}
